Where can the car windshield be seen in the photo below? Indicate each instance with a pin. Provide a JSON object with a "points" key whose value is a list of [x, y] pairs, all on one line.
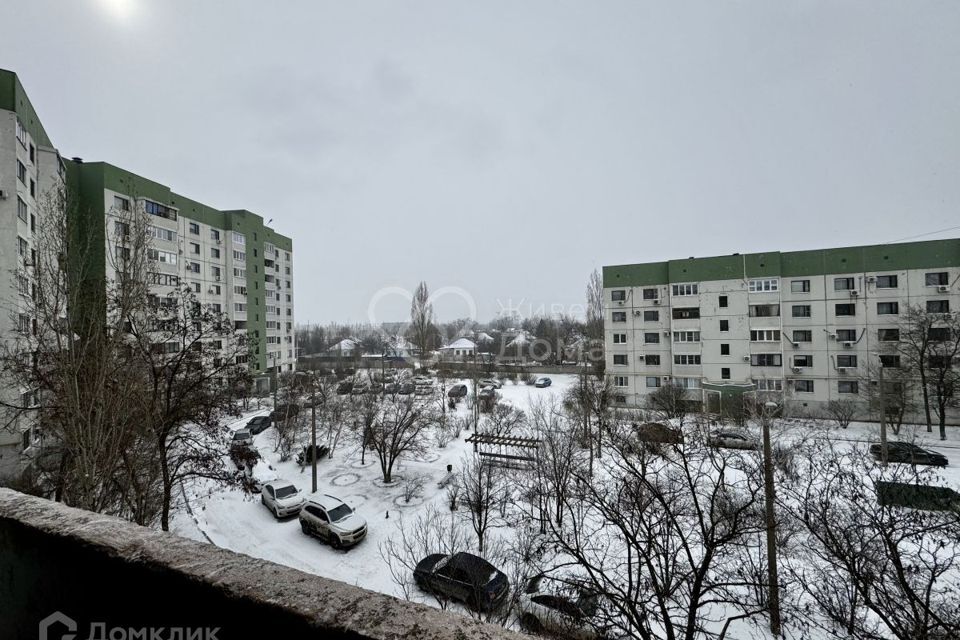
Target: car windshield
{"points": [[286, 492], [241, 435], [339, 513]]}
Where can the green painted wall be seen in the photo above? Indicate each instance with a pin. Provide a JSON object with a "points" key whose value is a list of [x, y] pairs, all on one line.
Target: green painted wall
{"points": [[14, 98], [885, 257]]}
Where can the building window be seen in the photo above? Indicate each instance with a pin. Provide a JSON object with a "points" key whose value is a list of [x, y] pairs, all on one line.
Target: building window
{"points": [[800, 311], [21, 172], [240, 307], [195, 248], [888, 335], [121, 204], [22, 247], [157, 209], [651, 294], [938, 279], [239, 256], [620, 359], [620, 381], [22, 211], [215, 272], [651, 338], [886, 282], [21, 133], [764, 335], [239, 238], [803, 361], [938, 306], [619, 316], [764, 284], [686, 313], [846, 335], [766, 360], [844, 284], [686, 336], [725, 373], [653, 382], [848, 386], [239, 290], [846, 309], [688, 289], [724, 349], [722, 302], [618, 295], [803, 335], [686, 359], [33, 188], [215, 289], [214, 253], [652, 360], [764, 310], [652, 315], [724, 325], [164, 257], [239, 273], [888, 308], [193, 267], [194, 228], [161, 234], [800, 286], [215, 235], [769, 384], [847, 361], [938, 334], [195, 286], [890, 361], [33, 154], [803, 386], [619, 338]]}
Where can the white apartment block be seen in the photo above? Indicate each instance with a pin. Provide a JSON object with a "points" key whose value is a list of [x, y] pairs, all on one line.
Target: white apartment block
{"points": [[808, 325]]}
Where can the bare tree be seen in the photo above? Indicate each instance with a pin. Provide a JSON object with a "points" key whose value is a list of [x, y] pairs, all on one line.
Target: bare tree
{"points": [[670, 401], [896, 398], [558, 459], [658, 536], [874, 569], [503, 420], [421, 320], [482, 490], [842, 412], [401, 429]]}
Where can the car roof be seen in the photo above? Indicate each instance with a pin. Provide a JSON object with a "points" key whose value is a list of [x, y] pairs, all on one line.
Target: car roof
{"points": [[325, 501], [241, 432], [277, 484], [474, 565]]}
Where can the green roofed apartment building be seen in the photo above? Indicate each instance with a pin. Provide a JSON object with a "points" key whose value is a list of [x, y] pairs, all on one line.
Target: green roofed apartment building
{"points": [[231, 259], [807, 325]]}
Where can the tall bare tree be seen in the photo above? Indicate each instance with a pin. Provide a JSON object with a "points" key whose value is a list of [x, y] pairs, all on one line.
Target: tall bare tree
{"points": [[594, 327], [402, 428], [422, 326]]}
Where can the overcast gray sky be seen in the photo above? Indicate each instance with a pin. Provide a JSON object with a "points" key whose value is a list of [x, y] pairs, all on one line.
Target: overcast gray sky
{"points": [[509, 148]]}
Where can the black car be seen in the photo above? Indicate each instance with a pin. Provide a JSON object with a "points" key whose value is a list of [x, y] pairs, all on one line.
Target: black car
{"points": [[259, 424], [909, 453], [344, 387], [464, 577], [457, 391]]}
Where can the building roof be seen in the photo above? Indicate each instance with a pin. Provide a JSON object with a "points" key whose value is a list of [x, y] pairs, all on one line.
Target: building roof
{"points": [[882, 257], [461, 343]]}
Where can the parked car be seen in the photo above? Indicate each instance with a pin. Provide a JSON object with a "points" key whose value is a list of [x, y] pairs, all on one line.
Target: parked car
{"points": [[491, 382], [556, 608], [282, 498], [344, 387], [405, 388], [543, 382], [376, 387], [422, 380], [306, 454], [464, 577], [487, 392], [359, 389], [457, 391], [258, 424], [332, 520], [242, 438], [909, 453], [423, 390], [731, 439]]}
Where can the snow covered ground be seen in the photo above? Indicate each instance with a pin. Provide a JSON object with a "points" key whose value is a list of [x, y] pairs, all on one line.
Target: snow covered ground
{"points": [[234, 520]]}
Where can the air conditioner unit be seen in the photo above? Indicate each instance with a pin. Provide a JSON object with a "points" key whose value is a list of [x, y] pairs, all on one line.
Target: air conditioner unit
{"points": [[217, 278], [3, 194], [841, 369], [848, 344], [656, 301], [620, 302], [796, 369], [210, 291], [666, 377], [832, 336], [796, 345], [854, 293], [219, 242], [943, 288], [666, 333], [746, 358]]}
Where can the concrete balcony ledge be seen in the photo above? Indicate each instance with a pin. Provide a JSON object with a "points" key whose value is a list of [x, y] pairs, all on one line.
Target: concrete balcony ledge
{"points": [[104, 573]]}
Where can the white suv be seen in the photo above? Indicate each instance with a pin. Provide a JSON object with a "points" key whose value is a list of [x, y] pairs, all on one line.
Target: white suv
{"points": [[331, 519], [282, 498]]}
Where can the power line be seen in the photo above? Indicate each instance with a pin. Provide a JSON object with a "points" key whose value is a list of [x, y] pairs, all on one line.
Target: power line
{"points": [[923, 235]]}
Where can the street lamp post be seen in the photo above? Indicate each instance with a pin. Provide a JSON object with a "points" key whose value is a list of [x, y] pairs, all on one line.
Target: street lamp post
{"points": [[313, 433]]}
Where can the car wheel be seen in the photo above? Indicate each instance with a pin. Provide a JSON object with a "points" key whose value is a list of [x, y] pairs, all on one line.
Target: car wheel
{"points": [[304, 527], [336, 542], [529, 622]]}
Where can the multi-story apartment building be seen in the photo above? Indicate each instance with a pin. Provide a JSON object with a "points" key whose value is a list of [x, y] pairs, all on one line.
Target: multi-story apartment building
{"points": [[231, 259], [807, 324]]}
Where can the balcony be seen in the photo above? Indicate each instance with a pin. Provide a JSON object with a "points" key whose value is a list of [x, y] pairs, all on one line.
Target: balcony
{"points": [[51, 555]]}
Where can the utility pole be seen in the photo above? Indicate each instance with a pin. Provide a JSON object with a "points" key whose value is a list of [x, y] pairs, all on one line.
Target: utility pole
{"points": [[884, 451], [772, 573], [313, 435]]}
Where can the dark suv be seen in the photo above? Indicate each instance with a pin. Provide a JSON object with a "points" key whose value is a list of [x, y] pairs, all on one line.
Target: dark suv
{"points": [[909, 453]]}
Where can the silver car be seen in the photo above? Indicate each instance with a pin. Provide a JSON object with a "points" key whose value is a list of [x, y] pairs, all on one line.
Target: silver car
{"points": [[282, 498], [332, 520], [731, 439], [242, 438]]}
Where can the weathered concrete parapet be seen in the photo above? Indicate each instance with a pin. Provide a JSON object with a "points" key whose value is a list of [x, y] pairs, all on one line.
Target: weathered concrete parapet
{"points": [[98, 569]]}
